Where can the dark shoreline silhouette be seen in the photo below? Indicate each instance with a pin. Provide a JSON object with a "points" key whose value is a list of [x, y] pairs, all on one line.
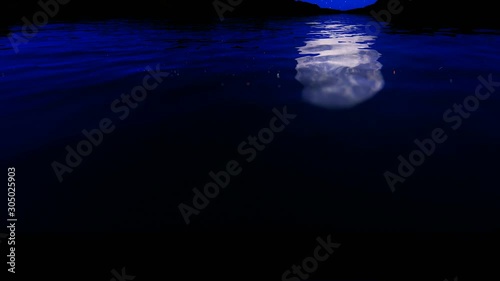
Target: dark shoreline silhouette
{"points": [[415, 13], [427, 13], [201, 10]]}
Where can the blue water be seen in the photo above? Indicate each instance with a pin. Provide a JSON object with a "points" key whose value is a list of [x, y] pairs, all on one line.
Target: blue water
{"points": [[361, 99]]}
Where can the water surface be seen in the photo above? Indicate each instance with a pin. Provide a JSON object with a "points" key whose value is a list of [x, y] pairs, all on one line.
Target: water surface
{"points": [[361, 100]]}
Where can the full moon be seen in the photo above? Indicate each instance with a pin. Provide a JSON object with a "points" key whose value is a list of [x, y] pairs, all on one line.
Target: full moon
{"points": [[342, 4]]}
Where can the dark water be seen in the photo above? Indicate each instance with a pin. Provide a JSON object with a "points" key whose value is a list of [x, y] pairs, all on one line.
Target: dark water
{"points": [[361, 99]]}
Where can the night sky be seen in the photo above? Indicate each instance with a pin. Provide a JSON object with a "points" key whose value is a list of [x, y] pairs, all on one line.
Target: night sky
{"points": [[342, 4]]}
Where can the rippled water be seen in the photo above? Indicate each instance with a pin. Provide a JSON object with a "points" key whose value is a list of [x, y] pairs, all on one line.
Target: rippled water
{"points": [[361, 98], [338, 69]]}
